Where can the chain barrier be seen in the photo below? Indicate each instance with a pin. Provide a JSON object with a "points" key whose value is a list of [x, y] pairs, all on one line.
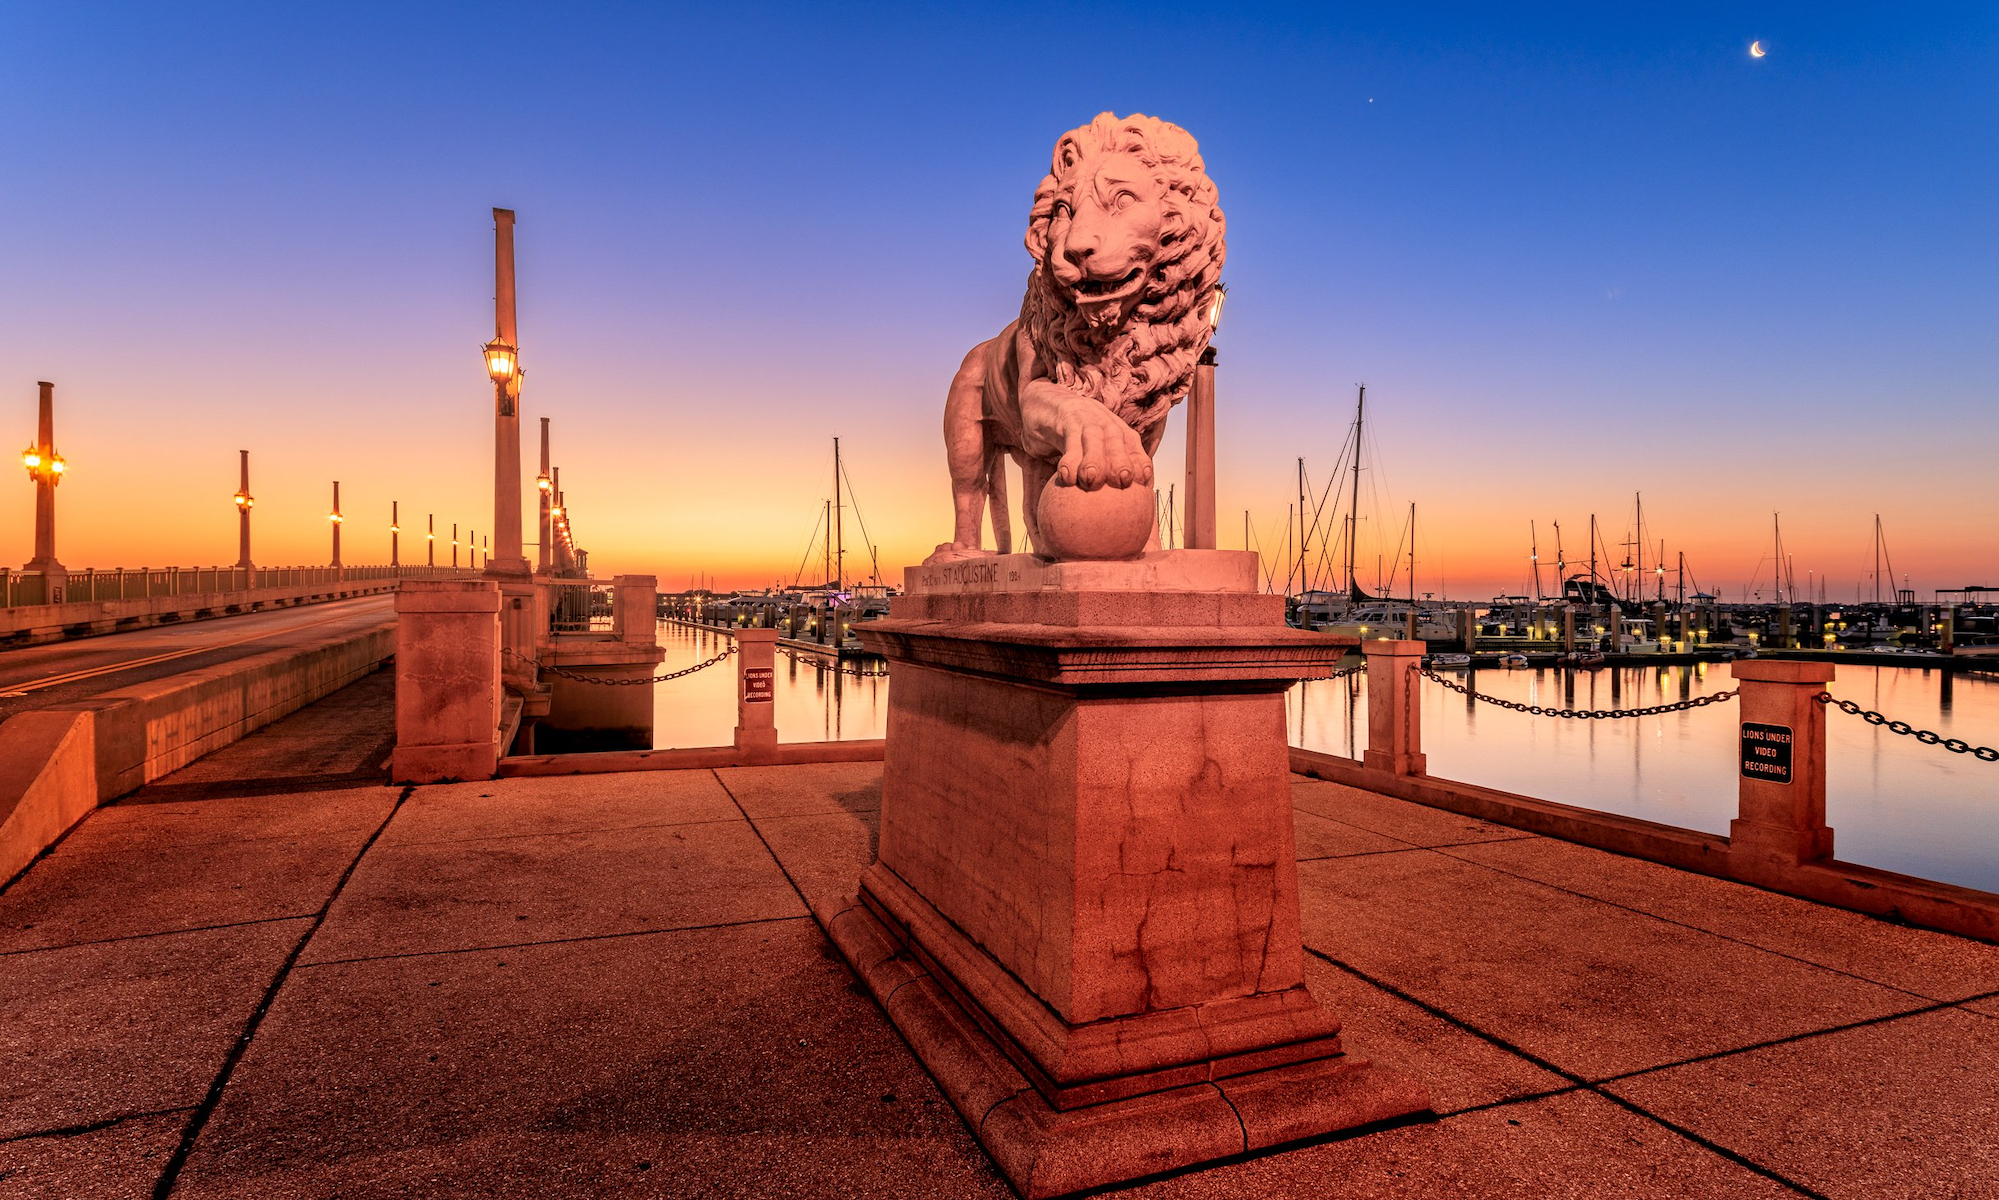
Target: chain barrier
{"points": [[814, 661], [1927, 738], [1343, 672], [566, 673], [1590, 714]]}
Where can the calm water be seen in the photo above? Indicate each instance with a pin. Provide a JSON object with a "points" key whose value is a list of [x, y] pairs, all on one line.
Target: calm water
{"points": [[1892, 802]]}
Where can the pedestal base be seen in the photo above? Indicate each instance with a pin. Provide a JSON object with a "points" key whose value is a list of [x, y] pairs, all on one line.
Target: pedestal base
{"points": [[1084, 913], [1198, 1113]]}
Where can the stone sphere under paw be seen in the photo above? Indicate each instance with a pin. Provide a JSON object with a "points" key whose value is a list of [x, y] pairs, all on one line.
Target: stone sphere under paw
{"points": [[1108, 523]]}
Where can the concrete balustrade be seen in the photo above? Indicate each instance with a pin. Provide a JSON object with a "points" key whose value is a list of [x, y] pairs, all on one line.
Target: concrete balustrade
{"points": [[40, 606]]}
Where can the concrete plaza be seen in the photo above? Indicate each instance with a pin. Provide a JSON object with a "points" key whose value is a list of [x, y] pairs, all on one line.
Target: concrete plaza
{"points": [[271, 976]]}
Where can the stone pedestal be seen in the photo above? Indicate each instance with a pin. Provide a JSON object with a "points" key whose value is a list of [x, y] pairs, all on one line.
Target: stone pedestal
{"points": [[756, 694], [447, 680], [1394, 707], [1781, 780], [1084, 917]]}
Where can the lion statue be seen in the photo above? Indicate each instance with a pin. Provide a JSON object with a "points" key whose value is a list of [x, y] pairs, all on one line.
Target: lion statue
{"points": [[1127, 241]]}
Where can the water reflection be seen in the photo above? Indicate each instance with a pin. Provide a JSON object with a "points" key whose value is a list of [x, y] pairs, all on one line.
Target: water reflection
{"points": [[814, 703], [1892, 802]]}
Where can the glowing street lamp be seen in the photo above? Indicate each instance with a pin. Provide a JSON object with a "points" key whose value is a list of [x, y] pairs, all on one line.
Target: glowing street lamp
{"points": [[335, 518], [502, 361], [1215, 307], [46, 468], [244, 502]]}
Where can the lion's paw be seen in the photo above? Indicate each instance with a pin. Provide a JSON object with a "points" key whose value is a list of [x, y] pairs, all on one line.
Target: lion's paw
{"points": [[948, 552]]}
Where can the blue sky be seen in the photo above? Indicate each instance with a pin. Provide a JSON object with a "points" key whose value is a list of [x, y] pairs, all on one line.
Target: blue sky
{"points": [[1576, 251]]}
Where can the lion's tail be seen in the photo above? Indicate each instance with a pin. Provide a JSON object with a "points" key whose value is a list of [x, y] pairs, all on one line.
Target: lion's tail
{"points": [[996, 499]]}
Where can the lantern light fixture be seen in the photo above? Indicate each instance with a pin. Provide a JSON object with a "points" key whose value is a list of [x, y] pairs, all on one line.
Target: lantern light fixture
{"points": [[1215, 307], [502, 360]]}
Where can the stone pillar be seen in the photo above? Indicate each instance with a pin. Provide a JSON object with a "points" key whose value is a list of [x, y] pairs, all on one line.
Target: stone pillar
{"points": [[1200, 519], [1781, 820], [447, 680], [243, 503], [46, 479], [756, 688], [545, 490], [635, 609], [1568, 629], [1468, 628], [506, 413], [1394, 707]]}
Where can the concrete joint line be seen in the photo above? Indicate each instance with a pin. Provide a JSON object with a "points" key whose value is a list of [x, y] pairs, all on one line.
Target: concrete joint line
{"points": [[70, 1131], [564, 941], [135, 937], [170, 1174], [1581, 1083]]}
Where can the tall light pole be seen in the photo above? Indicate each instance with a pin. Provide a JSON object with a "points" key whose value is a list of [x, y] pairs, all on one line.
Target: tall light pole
{"points": [[244, 502], [454, 545], [336, 519], [395, 533], [472, 548], [1200, 519], [46, 468], [430, 542], [503, 366], [544, 486]]}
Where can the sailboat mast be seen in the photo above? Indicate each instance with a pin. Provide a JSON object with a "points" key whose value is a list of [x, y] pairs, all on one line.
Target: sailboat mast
{"points": [[839, 524], [1304, 536], [1353, 508], [1877, 558], [1412, 570], [1533, 555], [1777, 557]]}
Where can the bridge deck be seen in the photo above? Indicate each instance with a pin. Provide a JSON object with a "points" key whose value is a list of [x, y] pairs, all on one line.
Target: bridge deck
{"points": [[609, 984], [58, 672]]}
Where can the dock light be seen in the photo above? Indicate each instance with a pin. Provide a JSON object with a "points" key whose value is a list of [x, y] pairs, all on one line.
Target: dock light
{"points": [[1215, 307], [502, 360], [556, 512], [244, 500], [336, 518], [544, 483]]}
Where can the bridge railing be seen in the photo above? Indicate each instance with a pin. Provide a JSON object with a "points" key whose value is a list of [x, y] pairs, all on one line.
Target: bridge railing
{"points": [[19, 589]]}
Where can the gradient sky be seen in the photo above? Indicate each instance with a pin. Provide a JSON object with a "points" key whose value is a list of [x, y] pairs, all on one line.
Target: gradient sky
{"points": [[1576, 252]]}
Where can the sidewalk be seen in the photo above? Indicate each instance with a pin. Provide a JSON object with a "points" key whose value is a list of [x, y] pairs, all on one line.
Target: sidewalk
{"points": [[611, 985]]}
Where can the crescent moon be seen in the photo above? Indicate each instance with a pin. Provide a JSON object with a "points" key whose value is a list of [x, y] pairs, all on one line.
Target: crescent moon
{"points": [[1756, 49]]}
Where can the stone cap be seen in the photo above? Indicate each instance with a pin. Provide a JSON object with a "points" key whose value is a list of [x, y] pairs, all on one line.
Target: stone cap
{"points": [[1157, 571], [1108, 610], [1778, 670], [448, 595], [1390, 648]]}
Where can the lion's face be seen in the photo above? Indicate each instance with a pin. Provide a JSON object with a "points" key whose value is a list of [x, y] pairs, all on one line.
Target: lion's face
{"points": [[1104, 229]]}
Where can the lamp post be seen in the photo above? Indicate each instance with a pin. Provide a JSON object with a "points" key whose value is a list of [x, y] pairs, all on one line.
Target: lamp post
{"points": [[544, 487], [46, 468], [454, 545], [336, 519], [395, 533], [430, 542], [472, 548], [503, 366], [1200, 519], [244, 502]]}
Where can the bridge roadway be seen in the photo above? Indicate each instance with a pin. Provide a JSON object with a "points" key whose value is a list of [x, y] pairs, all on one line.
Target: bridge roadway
{"points": [[57, 672]]}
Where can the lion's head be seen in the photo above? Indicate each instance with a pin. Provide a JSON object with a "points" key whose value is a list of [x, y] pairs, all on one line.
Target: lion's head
{"points": [[1128, 246]]}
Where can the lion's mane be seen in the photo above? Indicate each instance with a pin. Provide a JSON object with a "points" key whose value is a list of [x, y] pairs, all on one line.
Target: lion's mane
{"points": [[1148, 356]]}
